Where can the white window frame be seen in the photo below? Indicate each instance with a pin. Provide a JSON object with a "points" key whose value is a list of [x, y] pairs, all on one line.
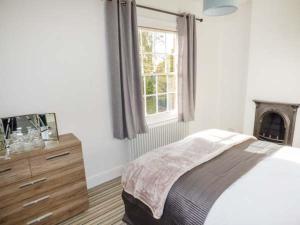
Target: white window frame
{"points": [[160, 118]]}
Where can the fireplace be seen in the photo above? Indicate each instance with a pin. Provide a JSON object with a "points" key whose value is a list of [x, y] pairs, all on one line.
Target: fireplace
{"points": [[275, 122]]}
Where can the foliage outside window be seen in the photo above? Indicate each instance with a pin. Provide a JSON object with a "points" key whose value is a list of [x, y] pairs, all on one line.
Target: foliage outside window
{"points": [[158, 52]]}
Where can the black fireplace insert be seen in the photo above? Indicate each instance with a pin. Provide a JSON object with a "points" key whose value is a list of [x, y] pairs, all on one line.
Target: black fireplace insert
{"points": [[272, 128]]}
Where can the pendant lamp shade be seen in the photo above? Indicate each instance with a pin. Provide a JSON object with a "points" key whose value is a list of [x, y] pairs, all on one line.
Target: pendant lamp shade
{"points": [[219, 7]]}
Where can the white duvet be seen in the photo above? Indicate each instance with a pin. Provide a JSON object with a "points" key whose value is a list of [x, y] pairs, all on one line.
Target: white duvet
{"points": [[267, 195]]}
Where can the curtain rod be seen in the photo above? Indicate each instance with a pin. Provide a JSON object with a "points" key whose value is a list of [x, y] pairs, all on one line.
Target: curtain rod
{"points": [[164, 11]]}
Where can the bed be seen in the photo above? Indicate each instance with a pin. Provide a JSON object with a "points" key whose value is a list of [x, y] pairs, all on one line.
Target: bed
{"points": [[243, 182]]}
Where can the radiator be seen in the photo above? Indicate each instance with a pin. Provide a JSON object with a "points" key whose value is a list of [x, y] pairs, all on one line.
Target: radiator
{"points": [[157, 136]]}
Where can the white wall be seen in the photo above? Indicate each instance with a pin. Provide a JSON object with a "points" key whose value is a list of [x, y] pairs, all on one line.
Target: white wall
{"points": [[53, 58], [223, 46], [274, 69]]}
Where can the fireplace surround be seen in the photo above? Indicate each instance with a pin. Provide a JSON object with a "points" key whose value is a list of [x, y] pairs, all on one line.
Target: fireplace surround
{"points": [[275, 122]]}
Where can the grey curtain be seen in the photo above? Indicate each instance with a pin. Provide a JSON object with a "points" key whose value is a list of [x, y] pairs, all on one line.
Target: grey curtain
{"points": [[127, 100], [187, 67]]}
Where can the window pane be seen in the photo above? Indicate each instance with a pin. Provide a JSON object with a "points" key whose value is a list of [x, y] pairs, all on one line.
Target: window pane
{"points": [[171, 101], [158, 54], [160, 42], [162, 103], [151, 104], [150, 85], [160, 64], [147, 64], [171, 63], [170, 43], [162, 84], [147, 41], [171, 84]]}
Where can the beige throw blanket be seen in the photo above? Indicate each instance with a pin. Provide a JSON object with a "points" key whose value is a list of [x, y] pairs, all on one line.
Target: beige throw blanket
{"points": [[150, 177]]}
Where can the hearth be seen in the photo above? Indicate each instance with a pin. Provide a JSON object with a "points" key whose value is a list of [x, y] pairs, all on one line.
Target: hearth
{"points": [[275, 122]]}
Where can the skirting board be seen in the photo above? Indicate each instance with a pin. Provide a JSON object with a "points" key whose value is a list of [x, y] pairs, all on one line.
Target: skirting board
{"points": [[104, 176]]}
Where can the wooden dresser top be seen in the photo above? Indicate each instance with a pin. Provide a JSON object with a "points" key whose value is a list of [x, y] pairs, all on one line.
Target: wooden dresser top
{"points": [[65, 141]]}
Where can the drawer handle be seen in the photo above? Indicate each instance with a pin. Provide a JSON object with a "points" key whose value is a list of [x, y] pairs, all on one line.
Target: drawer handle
{"points": [[32, 182], [39, 219], [36, 201], [5, 170], [59, 155]]}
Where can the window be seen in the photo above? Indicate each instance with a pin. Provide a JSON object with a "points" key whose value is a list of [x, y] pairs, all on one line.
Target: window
{"points": [[158, 52]]}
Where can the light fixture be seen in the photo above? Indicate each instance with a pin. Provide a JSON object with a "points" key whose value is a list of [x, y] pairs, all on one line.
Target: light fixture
{"points": [[219, 7]]}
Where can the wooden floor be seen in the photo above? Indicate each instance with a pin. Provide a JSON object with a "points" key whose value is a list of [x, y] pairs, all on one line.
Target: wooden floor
{"points": [[106, 206]]}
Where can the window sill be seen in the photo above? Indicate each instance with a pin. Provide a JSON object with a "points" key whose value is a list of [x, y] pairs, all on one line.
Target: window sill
{"points": [[161, 119]]}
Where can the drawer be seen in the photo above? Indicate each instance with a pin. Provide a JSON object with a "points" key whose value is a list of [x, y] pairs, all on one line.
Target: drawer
{"points": [[28, 208], [55, 160], [60, 214], [40, 184], [14, 172]]}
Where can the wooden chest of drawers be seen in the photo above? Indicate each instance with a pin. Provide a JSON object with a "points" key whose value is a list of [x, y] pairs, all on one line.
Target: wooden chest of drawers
{"points": [[44, 186]]}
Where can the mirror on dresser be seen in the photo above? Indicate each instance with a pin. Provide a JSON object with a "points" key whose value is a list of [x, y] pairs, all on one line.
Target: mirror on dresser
{"points": [[27, 131]]}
